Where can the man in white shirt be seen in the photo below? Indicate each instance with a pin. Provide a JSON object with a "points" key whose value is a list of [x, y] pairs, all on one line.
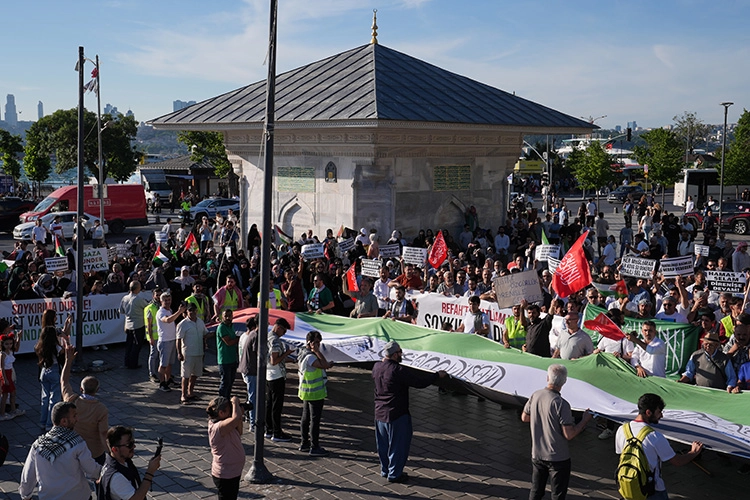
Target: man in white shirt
{"points": [[590, 213], [382, 291], [474, 321], [39, 232], [650, 354], [59, 461], [502, 241], [166, 345], [669, 311], [655, 445]]}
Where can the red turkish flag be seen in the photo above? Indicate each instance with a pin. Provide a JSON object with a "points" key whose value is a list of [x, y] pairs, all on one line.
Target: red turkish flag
{"points": [[573, 273], [351, 279], [438, 252], [605, 326]]}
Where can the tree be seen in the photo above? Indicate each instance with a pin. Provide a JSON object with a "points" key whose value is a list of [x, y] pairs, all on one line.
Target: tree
{"points": [[737, 161], [37, 162], [58, 133], [208, 147], [11, 146], [691, 128], [591, 167], [663, 154]]}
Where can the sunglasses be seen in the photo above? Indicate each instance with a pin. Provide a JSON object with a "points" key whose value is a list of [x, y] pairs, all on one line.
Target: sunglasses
{"points": [[129, 445]]}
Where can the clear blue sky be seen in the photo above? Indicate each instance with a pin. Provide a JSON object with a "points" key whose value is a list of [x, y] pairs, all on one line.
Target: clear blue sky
{"points": [[641, 60]]}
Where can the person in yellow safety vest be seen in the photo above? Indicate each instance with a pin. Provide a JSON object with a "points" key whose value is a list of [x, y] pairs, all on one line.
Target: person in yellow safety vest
{"points": [[201, 302], [514, 334], [274, 298], [152, 334], [726, 325], [312, 391], [228, 297]]}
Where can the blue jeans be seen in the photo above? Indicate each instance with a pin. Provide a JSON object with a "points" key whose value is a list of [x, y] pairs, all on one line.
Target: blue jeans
{"points": [[394, 441], [227, 374], [153, 361], [51, 394], [250, 381]]}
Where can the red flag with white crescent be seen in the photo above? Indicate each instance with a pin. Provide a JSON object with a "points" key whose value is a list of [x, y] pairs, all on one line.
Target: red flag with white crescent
{"points": [[605, 326]]}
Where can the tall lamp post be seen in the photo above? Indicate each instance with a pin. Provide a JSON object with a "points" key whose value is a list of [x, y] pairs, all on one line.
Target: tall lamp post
{"points": [[723, 155]]}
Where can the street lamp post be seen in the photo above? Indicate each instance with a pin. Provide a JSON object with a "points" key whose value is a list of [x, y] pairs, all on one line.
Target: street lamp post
{"points": [[723, 155]]}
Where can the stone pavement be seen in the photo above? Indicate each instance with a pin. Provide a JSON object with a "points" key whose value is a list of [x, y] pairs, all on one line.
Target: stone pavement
{"points": [[462, 448]]}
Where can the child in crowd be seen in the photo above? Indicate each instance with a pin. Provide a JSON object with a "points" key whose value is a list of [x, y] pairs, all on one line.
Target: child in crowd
{"points": [[10, 344]]}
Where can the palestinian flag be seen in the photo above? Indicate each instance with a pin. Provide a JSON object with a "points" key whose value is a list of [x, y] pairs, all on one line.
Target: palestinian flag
{"points": [[191, 245], [601, 382], [545, 240], [618, 290], [284, 238], [59, 248], [160, 257]]}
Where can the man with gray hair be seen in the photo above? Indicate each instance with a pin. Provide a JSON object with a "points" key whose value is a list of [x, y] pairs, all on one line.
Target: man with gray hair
{"points": [[552, 426], [393, 428]]}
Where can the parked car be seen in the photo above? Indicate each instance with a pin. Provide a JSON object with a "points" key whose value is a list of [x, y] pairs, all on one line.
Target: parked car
{"points": [[11, 209], [212, 206], [735, 217], [23, 231], [622, 192]]}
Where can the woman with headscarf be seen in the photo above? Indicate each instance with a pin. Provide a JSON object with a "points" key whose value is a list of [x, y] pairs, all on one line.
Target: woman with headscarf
{"points": [[253, 237], [114, 284], [24, 291], [16, 277], [44, 286], [156, 280]]}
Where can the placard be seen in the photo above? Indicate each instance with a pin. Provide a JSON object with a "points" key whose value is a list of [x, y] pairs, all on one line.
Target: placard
{"points": [[346, 245], [111, 254], [161, 236], [123, 250], [415, 255], [228, 251], [514, 287], [701, 250], [552, 264], [544, 252], [371, 267], [95, 259], [678, 266], [389, 251], [637, 267], [726, 281], [56, 264], [313, 251]]}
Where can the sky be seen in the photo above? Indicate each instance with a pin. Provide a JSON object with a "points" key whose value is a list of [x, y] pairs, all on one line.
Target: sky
{"points": [[640, 60]]}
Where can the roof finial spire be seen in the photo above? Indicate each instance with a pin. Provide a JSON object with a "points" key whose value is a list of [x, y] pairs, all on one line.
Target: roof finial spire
{"points": [[374, 40]]}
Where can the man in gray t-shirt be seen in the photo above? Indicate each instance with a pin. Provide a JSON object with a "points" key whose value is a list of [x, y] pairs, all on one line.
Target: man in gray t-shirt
{"points": [[552, 426], [575, 343]]}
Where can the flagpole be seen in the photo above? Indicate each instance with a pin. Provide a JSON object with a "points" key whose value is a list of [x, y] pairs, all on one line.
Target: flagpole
{"points": [[99, 129], [258, 472], [79, 363]]}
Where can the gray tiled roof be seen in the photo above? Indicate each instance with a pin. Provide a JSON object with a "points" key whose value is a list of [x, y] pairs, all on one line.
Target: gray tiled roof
{"points": [[373, 82], [179, 163]]}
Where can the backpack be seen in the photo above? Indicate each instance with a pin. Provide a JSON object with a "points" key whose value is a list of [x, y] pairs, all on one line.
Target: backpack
{"points": [[634, 477]]}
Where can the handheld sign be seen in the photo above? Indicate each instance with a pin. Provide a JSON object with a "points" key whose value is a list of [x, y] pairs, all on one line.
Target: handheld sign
{"points": [[637, 267], [552, 264], [414, 255], [56, 264], [701, 250], [544, 252], [111, 254], [371, 268], [95, 259], [389, 251], [678, 266], [313, 251], [161, 236], [512, 288], [726, 281], [346, 245]]}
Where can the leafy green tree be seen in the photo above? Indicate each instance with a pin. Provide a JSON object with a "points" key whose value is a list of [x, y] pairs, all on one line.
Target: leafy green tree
{"points": [[208, 147], [58, 132], [691, 128], [664, 155], [591, 167], [37, 162], [11, 146], [737, 161]]}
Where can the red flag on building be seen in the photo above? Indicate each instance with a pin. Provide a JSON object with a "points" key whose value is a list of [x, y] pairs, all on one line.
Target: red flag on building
{"points": [[438, 252], [605, 326], [351, 279], [573, 273]]}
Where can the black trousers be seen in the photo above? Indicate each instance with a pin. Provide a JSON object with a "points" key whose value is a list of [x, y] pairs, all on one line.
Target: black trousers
{"points": [[311, 413], [228, 488], [274, 405], [558, 474], [133, 341]]}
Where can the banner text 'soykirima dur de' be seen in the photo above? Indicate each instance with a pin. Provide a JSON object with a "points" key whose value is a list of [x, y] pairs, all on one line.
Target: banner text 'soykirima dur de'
{"points": [[601, 382]]}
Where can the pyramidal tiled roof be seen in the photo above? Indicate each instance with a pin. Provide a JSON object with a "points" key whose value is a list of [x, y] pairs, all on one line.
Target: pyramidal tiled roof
{"points": [[372, 82]]}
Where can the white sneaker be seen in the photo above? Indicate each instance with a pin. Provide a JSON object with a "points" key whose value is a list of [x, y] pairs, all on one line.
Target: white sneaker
{"points": [[19, 412], [105, 348], [606, 434], [6, 416]]}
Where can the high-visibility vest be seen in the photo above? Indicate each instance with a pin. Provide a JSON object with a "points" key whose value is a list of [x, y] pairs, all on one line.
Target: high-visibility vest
{"points": [[728, 322], [516, 332], [230, 301], [200, 304], [149, 318], [312, 382], [276, 297]]}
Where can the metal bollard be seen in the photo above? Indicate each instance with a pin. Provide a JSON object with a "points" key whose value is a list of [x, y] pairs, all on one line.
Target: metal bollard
{"points": [[615, 210]]}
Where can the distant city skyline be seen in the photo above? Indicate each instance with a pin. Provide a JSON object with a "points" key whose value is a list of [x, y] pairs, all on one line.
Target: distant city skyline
{"points": [[637, 61]]}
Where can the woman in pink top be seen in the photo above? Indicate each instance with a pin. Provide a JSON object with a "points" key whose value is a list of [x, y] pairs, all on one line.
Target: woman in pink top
{"points": [[225, 438]]}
